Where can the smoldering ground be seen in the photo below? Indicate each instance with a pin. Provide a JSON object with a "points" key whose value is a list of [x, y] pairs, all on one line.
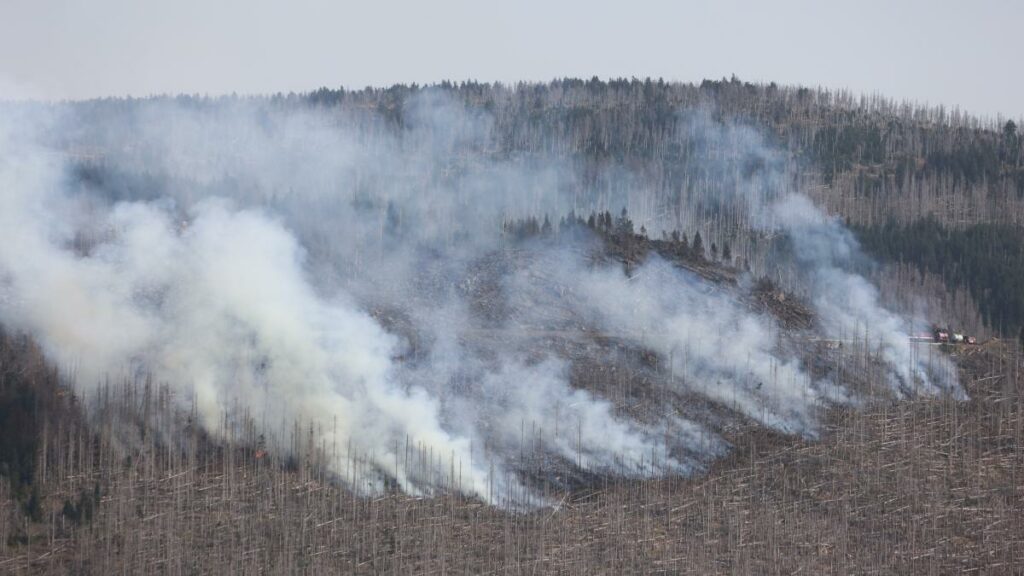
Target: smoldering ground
{"points": [[333, 266]]}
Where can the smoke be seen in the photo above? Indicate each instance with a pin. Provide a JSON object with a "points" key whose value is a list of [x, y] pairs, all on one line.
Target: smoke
{"points": [[222, 308], [332, 268], [717, 345], [755, 180], [847, 303]]}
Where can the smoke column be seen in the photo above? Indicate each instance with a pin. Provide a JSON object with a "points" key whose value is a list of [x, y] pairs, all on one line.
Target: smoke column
{"points": [[324, 267]]}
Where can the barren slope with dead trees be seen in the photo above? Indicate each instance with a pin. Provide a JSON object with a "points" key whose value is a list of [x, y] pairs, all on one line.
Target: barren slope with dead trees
{"points": [[927, 485]]}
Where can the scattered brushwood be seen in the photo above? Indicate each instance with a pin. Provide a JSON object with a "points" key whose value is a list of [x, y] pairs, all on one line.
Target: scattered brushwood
{"points": [[988, 361], [791, 311]]}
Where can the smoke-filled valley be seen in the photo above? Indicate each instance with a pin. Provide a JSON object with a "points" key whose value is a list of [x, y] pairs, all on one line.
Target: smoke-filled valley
{"points": [[478, 295]]}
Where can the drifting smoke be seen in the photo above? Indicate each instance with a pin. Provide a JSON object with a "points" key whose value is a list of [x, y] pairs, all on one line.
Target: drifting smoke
{"points": [[313, 266], [716, 344], [826, 256], [846, 302]]}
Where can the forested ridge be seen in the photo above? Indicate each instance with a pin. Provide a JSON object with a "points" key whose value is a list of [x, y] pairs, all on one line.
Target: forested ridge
{"points": [[860, 145], [878, 163], [886, 154]]}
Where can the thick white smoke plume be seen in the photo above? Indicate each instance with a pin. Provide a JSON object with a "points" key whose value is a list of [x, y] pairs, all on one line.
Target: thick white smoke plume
{"points": [[324, 267], [221, 306]]}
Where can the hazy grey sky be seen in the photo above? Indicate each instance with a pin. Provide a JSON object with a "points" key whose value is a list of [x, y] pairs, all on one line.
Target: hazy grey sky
{"points": [[958, 53]]}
